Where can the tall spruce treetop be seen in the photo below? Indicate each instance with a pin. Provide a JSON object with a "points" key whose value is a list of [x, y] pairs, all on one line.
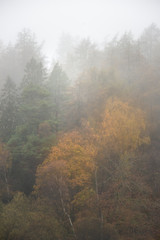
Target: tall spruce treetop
{"points": [[8, 109], [28, 47], [14, 57], [57, 78], [150, 44], [35, 73], [58, 85]]}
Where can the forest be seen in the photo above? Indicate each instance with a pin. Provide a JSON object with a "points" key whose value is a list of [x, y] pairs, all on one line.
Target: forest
{"points": [[80, 140]]}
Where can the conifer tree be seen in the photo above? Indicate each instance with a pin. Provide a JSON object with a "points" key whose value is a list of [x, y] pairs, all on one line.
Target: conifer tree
{"points": [[8, 109], [58, 85]]}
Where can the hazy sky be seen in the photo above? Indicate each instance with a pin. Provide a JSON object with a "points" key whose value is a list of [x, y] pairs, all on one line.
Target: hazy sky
{"points": [[96, 19]]}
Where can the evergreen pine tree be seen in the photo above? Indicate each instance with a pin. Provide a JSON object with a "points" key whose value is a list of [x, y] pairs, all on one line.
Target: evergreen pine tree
{"points": [[58, 85], [8, 109]]}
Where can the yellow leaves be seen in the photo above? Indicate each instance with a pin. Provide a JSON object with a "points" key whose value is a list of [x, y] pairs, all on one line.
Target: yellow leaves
{"points": [[123, 126]]}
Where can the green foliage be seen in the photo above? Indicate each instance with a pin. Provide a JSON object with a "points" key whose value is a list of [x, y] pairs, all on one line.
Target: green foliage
{"points": [[23, 219], [35, 106], [8, 109], [28, 151], [58, 86], [89, 228], [35, 73]]}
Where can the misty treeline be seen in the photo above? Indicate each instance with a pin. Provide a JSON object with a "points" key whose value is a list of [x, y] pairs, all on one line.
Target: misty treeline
{"points": [[80, 142]]}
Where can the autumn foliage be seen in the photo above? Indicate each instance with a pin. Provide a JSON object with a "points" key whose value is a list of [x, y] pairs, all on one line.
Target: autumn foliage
{"points": [[80, 170], [79, 145]]}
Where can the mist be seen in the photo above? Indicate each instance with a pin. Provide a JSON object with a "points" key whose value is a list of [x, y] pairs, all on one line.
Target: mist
{"points": [[79, 120], [97, 20]]}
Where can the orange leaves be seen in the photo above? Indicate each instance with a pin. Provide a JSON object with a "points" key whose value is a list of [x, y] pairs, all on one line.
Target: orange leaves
{"points": [[77, 157], [71, 160], [122, 130]]}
